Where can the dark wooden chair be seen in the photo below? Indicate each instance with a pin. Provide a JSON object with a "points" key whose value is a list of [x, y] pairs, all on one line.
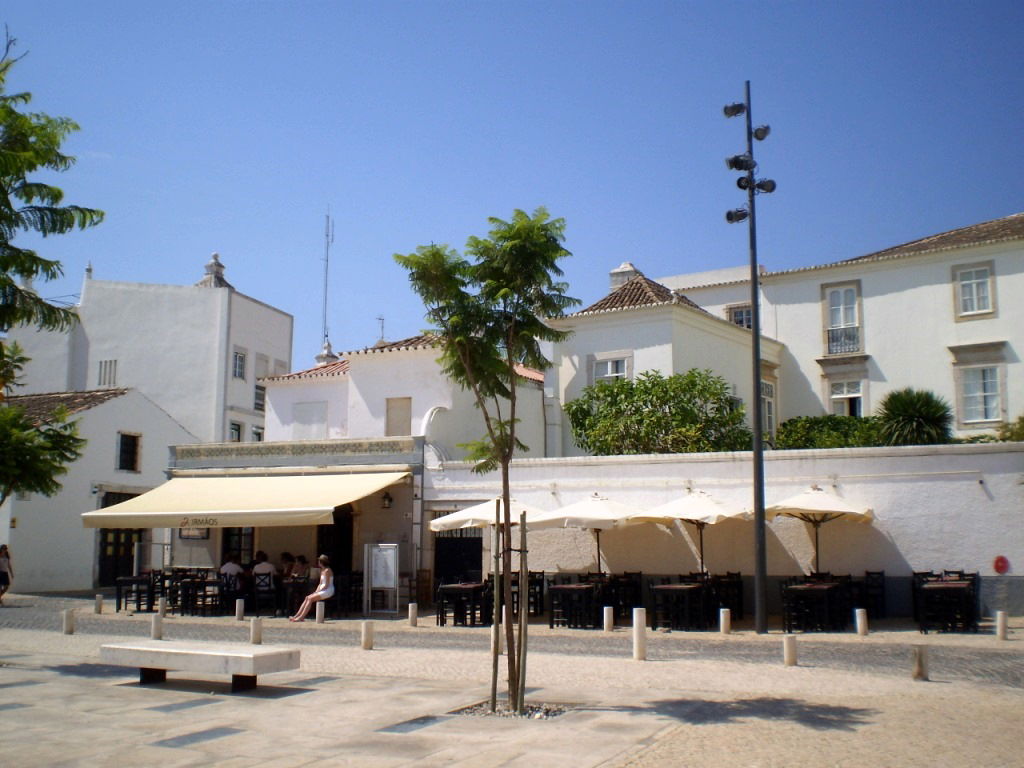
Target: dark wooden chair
{"points": [[263, 592]]}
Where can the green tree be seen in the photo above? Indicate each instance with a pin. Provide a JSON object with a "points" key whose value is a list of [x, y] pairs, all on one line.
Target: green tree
{"points": [[1013, 431], [30, 143], [682, 413], [830, 431], [33, 454], [488, 315], [914, 417]]}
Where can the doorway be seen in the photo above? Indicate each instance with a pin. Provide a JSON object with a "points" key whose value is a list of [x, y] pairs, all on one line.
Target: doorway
{"points": [[117, 545], [335, 540]]}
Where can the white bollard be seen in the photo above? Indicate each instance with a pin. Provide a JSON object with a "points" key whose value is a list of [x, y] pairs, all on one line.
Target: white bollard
{"points": [[860, 619], [414, 614], [99, 604], [1001, 625], [240, 609], [256, 631], [156, 627], [367, 636], [724, 621], [321, 611], [68, 621], [789, 650], [920, 658], [639, 634], [609, 619], [161, 606]]}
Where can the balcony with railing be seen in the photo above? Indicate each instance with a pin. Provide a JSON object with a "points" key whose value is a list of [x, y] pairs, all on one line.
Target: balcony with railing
{"points": [[843, 341]]}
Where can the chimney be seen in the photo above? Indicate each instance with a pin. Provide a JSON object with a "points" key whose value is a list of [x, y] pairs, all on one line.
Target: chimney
{"points": [[622, 274]]}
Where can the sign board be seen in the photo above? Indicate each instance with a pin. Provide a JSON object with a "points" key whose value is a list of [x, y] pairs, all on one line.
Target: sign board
{"points": [[381, 563]]}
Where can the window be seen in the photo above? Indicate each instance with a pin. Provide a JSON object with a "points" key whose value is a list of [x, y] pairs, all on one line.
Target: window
{"points": [[107, 374], [609, 369], [257, 434], [260, 398], [128, 452], [238, 365], [234, 432], [973, 291], [399, 417], [980, 394], [741, 315], [846, 398], [842, 322], [768, 408]]}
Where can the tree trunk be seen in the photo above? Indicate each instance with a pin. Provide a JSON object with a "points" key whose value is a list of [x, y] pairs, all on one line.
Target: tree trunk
{"points": [[506, 588]]}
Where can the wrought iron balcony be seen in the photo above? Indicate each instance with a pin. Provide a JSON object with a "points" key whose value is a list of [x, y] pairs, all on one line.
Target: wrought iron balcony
{"points": [[843, 340]]}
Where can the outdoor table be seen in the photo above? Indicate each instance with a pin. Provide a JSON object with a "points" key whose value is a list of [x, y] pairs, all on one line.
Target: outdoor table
{"points": [[138, 587], [679, 606], [573, 605], [466, 601], [947, 606], [813, 606], [295, 590]]}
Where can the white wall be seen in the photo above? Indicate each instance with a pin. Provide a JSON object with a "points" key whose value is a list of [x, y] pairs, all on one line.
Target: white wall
{"points": [[51, 548], [283, 396], [935, 507]]}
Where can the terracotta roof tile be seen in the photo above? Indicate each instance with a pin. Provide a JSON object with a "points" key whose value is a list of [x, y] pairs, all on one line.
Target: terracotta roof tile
{"points": [[639, 291], [413, 342], [39, 407], [337, 368], [995, 231]]}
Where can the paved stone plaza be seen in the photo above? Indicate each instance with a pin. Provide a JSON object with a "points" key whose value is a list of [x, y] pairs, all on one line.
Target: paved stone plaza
{"points": [[701, 699]]}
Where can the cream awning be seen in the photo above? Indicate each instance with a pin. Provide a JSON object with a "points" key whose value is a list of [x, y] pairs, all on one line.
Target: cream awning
{"points": [[222, 502]]}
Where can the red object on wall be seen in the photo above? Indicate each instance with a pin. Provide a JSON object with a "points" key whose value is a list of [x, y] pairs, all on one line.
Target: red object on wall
{"points": [[1000, 565]]}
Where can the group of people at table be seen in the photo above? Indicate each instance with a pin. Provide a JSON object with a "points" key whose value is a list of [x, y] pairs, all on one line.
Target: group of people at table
{"points": [[288, 581]]}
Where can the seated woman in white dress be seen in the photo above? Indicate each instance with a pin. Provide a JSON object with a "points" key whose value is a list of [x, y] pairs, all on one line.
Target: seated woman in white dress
{"points": [[324, 589]]}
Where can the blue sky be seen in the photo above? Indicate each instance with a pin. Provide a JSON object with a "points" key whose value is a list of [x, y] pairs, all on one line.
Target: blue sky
{"points": [[232, 126]]}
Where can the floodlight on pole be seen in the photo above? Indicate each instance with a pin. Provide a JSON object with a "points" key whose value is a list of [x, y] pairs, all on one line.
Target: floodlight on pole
{"points": [[752, 186]]}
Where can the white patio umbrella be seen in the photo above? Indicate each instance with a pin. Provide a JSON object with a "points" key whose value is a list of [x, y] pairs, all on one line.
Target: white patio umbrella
{"points": [[482, 515], [596, 513], [816, 507], [697, 508]]}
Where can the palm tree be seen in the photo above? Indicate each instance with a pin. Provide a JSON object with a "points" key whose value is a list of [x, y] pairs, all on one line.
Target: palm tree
{"points": [[914, 417]]}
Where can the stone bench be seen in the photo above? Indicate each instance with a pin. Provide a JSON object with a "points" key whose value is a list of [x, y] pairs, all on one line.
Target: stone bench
{"points": [[242, 662]]}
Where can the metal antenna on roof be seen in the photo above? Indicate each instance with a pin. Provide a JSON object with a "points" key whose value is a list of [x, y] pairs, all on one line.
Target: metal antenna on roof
{"points": [[380, 319], [328, 239]]}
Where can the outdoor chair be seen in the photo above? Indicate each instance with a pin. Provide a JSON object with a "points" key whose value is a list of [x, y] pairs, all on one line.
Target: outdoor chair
{"points": [[874, 594], [263, 592]]}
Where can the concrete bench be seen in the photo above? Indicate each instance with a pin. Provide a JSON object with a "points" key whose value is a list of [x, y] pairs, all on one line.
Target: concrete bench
{"points": [[242, 662]]}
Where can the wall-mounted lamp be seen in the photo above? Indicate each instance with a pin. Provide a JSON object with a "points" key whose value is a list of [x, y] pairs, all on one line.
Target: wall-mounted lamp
{"points": [[95, 490], [386, 501]]}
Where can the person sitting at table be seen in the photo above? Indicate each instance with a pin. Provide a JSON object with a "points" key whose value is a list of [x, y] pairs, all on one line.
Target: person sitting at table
{"points": [[287, 564], [231, 565], [301, 568], [324, 590], [263, 566]]}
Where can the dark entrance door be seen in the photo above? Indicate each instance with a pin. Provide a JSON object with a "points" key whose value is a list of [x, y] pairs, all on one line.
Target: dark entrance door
{"points": [[335, 540], [458, 558], [117, 545]]}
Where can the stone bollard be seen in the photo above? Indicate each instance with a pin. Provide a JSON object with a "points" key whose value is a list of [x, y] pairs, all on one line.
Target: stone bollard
{"points": [[920, 658], [256, 631], [639, 634], [609, 619], [98, 608], [161, 606], [414, 614], [321, 611], [68, 621], [240, 609], [789, 650], [724, 621], [860, 619], [156, 627], [367, 636], [1001, 625]]}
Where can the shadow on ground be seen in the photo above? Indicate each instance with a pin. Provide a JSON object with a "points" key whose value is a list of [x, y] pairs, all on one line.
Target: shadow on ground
{"points": [[819, 717]]}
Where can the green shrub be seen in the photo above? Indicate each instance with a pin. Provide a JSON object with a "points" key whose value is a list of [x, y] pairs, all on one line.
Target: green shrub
{"points": [[914, 417], [829, 431], [1012, 432]]}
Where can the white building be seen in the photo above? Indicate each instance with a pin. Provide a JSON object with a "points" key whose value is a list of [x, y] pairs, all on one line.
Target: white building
{"points": [[942, 313], [644, 326], [126, 455], [197, 351]]}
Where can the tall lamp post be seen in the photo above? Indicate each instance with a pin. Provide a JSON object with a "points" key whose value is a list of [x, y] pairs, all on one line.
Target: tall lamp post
{"points": [[745, 163]]}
